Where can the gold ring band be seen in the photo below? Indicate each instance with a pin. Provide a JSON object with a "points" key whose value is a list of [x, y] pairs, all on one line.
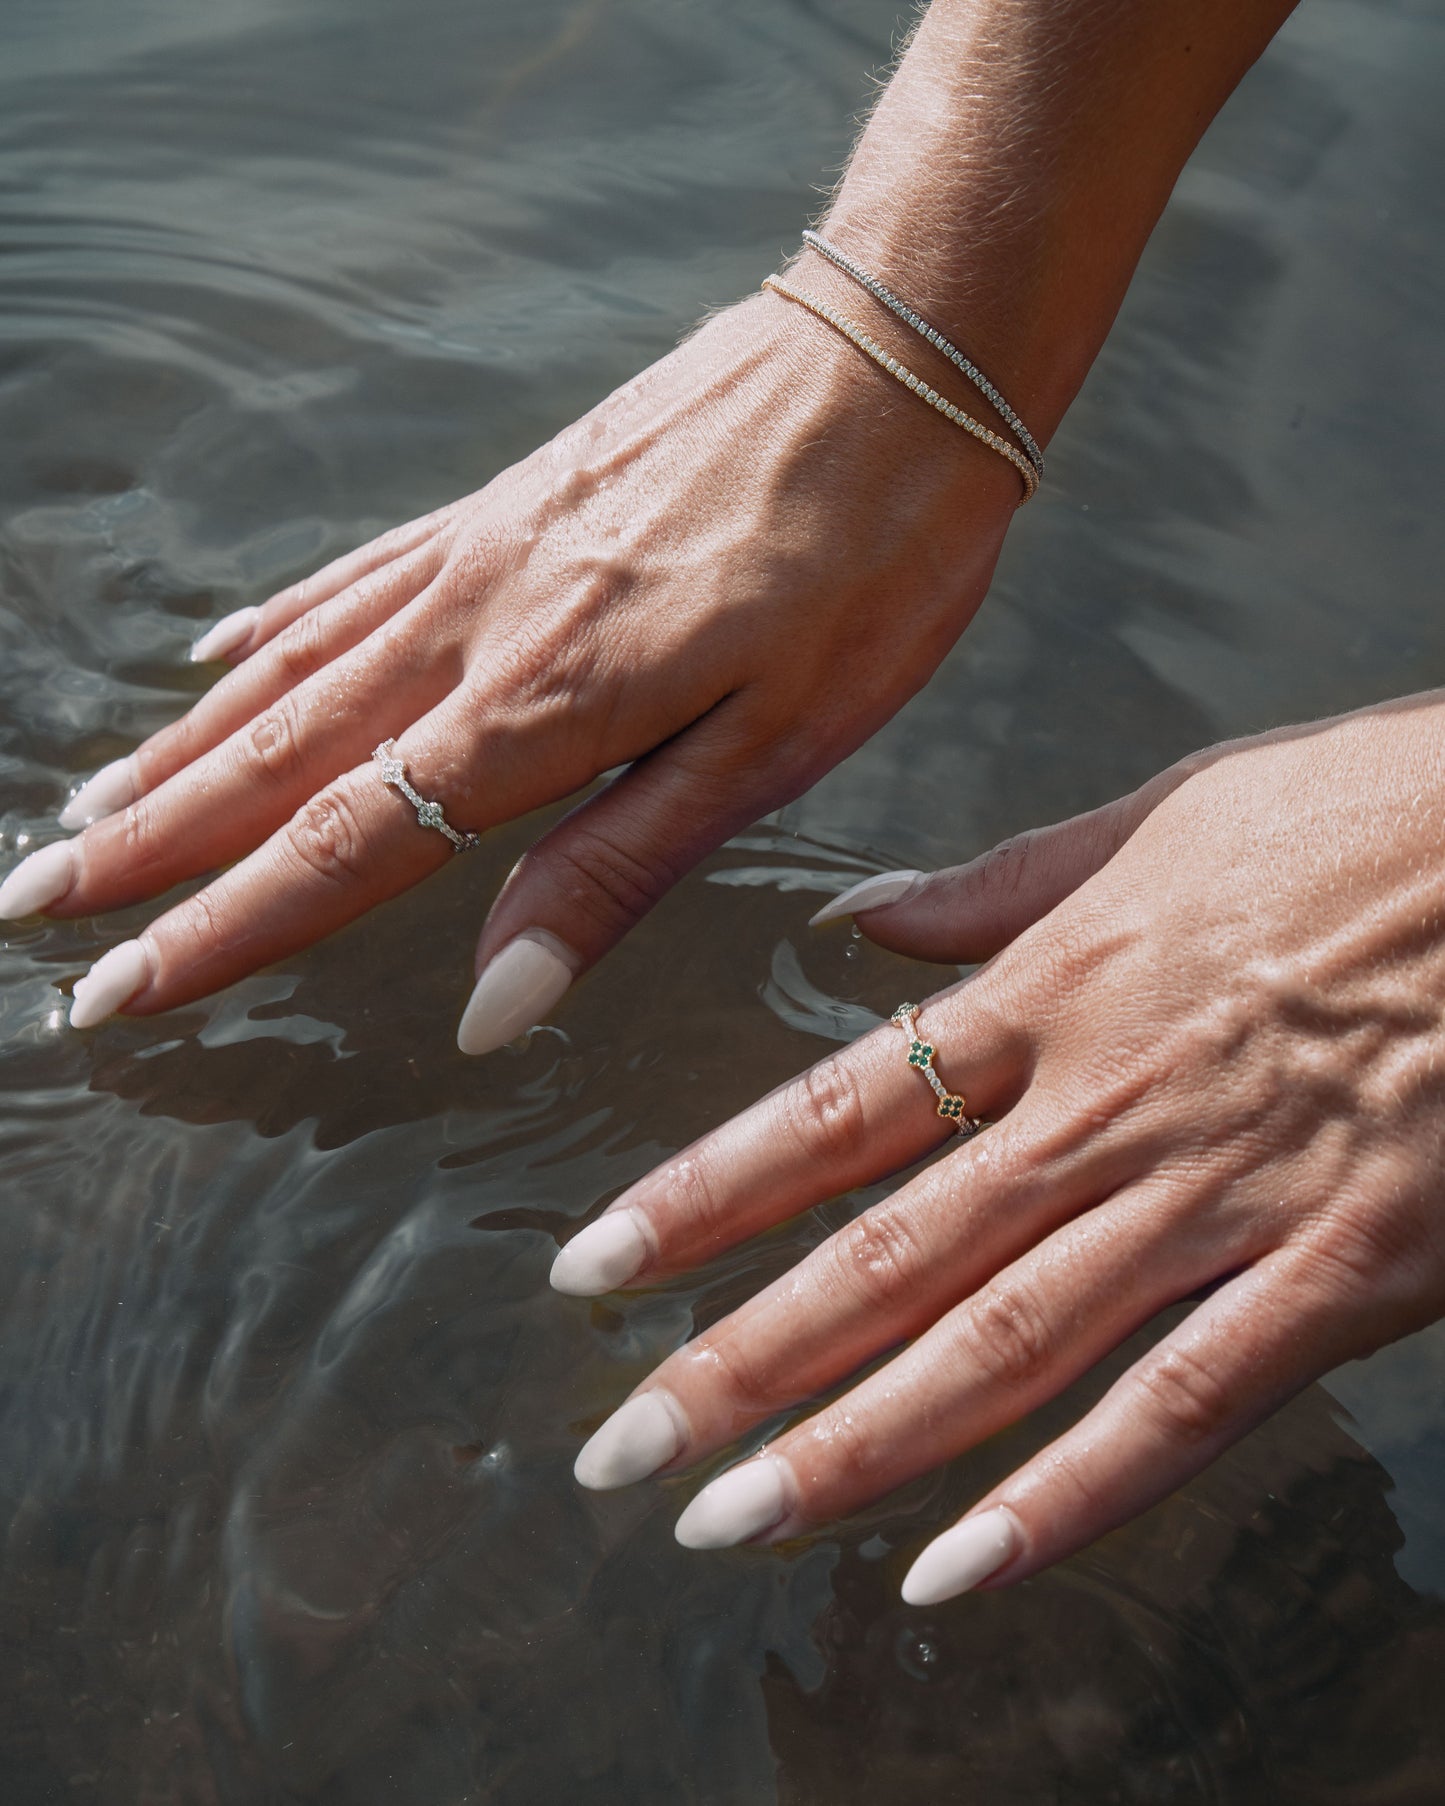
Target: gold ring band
{"points": [[951, 1107]]}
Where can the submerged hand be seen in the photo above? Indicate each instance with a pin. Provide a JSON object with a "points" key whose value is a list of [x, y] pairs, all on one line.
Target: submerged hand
{"points": [[696, 581], [1213, 1044]]}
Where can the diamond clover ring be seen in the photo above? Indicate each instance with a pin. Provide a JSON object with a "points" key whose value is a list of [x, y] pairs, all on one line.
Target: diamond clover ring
{"points": [[429, 814]]}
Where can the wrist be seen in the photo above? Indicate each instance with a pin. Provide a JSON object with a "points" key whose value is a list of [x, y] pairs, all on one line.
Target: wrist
{"points": [[1016, 164]]}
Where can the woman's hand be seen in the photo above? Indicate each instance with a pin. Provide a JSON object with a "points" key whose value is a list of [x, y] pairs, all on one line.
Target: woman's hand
{"points": [[725, 577], [1211, 1035]]}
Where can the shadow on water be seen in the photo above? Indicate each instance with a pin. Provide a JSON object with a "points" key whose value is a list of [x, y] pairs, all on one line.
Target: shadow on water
{"points": [[287, 1410]]}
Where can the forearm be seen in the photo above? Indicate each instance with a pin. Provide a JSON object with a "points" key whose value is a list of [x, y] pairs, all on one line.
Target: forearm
{"points": [[1016, 164]]}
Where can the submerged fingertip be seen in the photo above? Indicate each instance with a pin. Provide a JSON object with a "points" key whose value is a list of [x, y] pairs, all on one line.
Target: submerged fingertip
{"points": [[515, 990], [601, 1257], [739, 1505], [641, 1436], [963, 1557], [114, 979]]}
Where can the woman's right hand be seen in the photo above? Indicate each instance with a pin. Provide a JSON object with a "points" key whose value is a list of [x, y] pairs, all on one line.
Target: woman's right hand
{"points": [[725, 577]]}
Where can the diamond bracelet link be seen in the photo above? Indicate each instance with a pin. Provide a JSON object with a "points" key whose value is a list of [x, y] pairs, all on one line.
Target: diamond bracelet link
{"points": [[428, 813], [879, 355], [881, 292]]}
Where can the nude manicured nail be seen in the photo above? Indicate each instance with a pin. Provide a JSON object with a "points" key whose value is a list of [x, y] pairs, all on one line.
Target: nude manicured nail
{"points": [[962, 1557], [742, 1503], [871, 893], [38, 881], [113, 980], [642, 1436], [514, 992], [601, 1257], [112, 787], [228, 633]]}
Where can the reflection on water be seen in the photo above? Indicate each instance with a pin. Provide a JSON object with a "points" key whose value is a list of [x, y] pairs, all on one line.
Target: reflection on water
{"points": [[288, 1411]]}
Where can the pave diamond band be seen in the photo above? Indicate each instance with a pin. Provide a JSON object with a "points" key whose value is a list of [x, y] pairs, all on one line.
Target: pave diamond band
{"points": [[921, 326], [951, 1107], [428, 813], [870, 348]]}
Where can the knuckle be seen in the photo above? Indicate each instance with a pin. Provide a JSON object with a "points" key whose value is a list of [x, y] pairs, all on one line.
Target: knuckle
{"points": [[149, 838], [692, 1201], [539, 669], [880, 1258], [199, 928], [1355, 1247], [842, 1447], [1186, 1400], [1001, 870], [168, 751], [299, 649], [825, 1112], [273, 741], [742, 1378], [1004, 1331], [327, 838], [608, 881]]}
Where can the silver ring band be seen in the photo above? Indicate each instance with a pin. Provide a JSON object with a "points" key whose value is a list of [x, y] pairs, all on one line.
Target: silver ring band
{"points": [[429, 814]]}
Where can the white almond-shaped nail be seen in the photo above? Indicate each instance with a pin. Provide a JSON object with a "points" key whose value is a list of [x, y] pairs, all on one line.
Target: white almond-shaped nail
{"points": [[600, 1257], [113, 980], [740, 1504], [962, 1557], [514, 992], [38, 881], [112, 787], [871, 893], [642, 1436], [228, 633]]}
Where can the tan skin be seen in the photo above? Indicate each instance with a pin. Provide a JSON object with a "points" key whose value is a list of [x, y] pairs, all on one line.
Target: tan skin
{"points": [[1211, 1035], [1210, 1028], [647, 588], [698, 578]]}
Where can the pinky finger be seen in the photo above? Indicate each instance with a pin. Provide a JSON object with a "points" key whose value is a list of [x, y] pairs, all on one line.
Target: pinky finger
{"points": [[1237, 1358], [238, 635]]}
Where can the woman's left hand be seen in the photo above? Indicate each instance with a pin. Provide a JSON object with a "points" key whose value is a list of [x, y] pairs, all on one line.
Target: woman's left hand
{"points": [[1211, 1039]]}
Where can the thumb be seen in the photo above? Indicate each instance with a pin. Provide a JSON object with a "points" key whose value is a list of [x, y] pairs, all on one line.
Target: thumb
{"points": [[579, 889], [966, 913]]}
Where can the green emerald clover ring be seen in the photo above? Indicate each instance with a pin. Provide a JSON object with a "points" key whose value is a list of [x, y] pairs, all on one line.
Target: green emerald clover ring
{"points": [[951, 1107]]}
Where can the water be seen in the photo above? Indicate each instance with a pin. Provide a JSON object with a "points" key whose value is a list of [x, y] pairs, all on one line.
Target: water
{"points": [[286, 1409]]}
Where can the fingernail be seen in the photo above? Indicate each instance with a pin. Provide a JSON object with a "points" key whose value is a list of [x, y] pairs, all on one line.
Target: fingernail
{"points": [[961, 1557], [38, 881], [112, 787], [642, 1436], [871, 893], [228, 633], [113, 980], [601, 1257], [514, 992], [743, 1503]]}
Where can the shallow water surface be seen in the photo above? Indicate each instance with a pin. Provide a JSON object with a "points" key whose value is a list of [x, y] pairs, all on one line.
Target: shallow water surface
{"points": [[287, 1411]]}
